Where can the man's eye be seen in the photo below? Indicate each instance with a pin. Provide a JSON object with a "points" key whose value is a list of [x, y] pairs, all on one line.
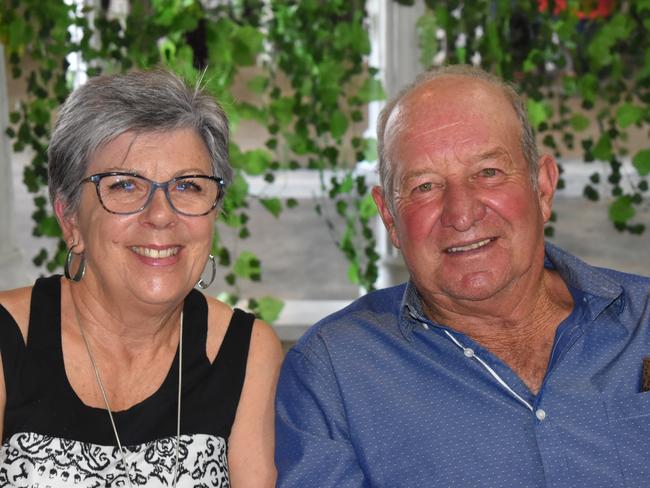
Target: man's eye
{"points": [[424, 187], [489, 172]]}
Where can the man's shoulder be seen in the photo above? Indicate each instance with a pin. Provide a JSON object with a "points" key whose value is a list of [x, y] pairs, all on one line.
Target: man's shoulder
{"points": [[592, 278], [379, 308]]}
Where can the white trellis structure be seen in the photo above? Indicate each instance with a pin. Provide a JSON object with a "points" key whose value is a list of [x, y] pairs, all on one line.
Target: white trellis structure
{"points": [[395, 52], [11, 260]]}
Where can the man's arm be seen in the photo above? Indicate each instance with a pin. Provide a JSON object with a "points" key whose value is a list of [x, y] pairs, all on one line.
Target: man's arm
{"points": [[313, 447]]}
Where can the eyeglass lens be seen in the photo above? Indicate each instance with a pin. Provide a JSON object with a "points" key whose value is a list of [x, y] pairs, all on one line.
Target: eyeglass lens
{"points": [[129, 193]]}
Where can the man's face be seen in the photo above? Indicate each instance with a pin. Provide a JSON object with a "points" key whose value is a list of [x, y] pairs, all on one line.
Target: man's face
{"points": [[467, 217]]}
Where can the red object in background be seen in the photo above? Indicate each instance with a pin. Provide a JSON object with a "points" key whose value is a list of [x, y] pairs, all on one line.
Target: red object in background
{"points": [[589, 9]]}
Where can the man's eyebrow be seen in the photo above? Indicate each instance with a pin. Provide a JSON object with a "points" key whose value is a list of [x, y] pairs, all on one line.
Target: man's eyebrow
{"points": [[416, 172], [495, 153]]}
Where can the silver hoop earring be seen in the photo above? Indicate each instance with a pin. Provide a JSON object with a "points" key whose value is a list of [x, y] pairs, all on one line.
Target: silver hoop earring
{"points": [[203, 284], [80, 270]]}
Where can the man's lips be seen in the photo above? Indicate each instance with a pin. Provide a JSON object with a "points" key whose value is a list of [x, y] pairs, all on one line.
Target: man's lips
{"points": [[469, 247], [153, 253]]}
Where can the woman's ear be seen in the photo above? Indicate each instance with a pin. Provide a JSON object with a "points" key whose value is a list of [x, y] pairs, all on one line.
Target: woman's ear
{"points": [[69, 227]]}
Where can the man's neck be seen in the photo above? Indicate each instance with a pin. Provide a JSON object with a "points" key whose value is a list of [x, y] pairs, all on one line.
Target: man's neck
{"points": [[520, 331]]}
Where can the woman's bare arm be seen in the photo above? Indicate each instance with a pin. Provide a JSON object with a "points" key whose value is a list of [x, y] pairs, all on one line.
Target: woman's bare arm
{"points": [[251, 442]]}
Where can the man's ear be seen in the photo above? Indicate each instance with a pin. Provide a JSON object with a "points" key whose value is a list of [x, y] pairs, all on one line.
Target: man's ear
{"points": [[69, 227], [385, 214], [547, 177]]}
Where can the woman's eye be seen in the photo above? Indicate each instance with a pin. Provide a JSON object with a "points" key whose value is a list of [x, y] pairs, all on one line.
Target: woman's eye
{"points": [[122, 185], [184, 186], [424, 187]]}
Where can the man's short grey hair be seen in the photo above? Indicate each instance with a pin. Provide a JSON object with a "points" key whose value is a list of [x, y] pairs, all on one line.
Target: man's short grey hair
{"points": [[140, 102], [528, 143]]}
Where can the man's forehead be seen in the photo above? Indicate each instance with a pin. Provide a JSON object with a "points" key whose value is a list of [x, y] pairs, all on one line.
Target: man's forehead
{"points": [[446, 92], [447, 103]]}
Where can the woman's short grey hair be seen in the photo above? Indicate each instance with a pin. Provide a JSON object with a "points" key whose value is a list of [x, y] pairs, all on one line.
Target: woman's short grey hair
{"points": [[140, 102], [528, 143]]}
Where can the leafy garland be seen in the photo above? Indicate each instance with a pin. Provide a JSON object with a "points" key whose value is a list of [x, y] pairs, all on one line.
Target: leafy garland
{"points": [[312, 86], [595, 54]]}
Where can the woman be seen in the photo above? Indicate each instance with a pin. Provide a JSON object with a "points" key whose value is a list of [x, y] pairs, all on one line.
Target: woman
{"points": [[121, 374]]}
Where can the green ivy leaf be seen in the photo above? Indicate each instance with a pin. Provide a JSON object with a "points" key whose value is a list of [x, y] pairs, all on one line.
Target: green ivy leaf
{"points": [[628, 114], [282, 109], [603, 148], [256, 161], [17, 30], [247, 43], [49, 227], [237, 192], [247, 265], [621, 209], [338, 124], [370, 150], [367, 208], [273, 205], [427, 27], [539, 111], [588, 86], [353, 273], [579, 122], [371, 91], [641, 162], [267, 308], [347, 184], [258, 84]]}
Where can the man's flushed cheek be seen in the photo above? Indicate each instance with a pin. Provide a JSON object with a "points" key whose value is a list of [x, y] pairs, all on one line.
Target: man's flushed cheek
{"points": [[418, 222]]}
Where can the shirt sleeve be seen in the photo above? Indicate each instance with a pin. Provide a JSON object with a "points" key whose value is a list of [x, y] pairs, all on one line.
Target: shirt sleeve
{"points": [[313, 447]]}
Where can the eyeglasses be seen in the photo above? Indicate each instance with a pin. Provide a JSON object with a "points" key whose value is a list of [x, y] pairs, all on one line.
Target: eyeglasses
{"points": [[129, 193]]}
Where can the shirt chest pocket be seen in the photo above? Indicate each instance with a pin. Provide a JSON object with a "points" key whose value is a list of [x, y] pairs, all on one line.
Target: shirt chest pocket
{"points": [[629, 421]]}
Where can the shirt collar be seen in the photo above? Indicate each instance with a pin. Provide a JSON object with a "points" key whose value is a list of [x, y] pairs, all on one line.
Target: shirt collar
{"points": [[411, 312], [599, 291]]}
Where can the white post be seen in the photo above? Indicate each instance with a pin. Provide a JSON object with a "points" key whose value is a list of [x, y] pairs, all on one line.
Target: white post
{"points": [[395, 52], [11, 262]]}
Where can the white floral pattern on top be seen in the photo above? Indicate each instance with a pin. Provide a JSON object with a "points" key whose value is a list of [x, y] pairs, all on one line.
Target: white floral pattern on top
{"points": [[29, 460]]}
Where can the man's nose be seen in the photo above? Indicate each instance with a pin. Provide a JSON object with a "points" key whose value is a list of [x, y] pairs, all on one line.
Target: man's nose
{"points": [[462, 206]]}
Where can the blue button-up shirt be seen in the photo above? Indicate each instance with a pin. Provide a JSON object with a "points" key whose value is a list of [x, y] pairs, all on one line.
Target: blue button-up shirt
{"points": [[378, 395]]}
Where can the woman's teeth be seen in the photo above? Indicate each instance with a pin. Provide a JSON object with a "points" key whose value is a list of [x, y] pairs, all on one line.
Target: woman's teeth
{"points": [[155, 253]]}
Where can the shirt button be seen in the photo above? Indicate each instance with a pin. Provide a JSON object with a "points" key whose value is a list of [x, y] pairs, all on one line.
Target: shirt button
{"points": [[469, 353], [540, 414]]}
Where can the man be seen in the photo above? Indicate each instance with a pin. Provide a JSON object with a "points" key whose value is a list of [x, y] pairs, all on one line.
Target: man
{"points": [[505, 361]]}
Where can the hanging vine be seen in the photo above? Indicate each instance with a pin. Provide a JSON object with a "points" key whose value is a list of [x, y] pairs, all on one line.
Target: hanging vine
{"points": [[312, 86], [584, 67]]}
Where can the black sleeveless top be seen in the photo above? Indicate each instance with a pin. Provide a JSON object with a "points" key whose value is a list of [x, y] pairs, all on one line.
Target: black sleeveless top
{"points": [[52, 439]]}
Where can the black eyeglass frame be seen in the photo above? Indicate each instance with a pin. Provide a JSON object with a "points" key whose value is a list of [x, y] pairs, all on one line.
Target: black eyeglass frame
{"points": [[154, 185]]}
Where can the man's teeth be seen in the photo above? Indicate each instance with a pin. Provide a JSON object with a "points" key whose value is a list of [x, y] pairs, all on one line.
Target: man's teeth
{"points": [[469, 247], [155, 253]]}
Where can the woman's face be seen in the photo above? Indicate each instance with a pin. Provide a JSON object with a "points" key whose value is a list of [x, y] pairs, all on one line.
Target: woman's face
{"points": [[157, 255]]}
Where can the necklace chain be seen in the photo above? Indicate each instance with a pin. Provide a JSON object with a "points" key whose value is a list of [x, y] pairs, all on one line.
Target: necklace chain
{"points": [[108, 407]]}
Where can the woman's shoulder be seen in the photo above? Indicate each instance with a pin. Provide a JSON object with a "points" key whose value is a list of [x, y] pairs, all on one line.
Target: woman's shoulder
{"points": [[17, 304], [264, 342]]}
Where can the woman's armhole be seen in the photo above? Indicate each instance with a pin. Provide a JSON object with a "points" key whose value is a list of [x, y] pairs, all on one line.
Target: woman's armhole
{"points": [[17, 303], [219, 317]]}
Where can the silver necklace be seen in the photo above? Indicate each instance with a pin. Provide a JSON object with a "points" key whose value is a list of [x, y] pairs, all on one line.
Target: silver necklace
{"points": [[108, 407]]}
